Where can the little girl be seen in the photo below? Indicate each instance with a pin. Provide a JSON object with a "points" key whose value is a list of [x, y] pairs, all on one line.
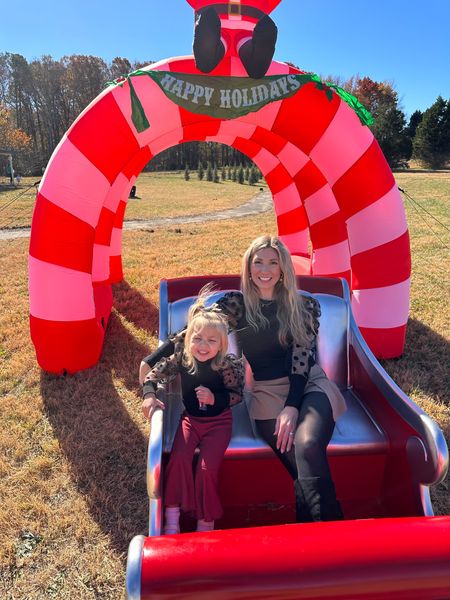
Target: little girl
{"points": [[211, 382]]}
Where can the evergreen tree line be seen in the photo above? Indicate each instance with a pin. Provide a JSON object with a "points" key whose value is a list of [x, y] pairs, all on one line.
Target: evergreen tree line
{"points": [[236, 172], [193, 154], [39, 100]]}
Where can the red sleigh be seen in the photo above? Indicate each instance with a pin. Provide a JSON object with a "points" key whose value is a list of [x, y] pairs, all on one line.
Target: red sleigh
{"points": [[384, 455]]}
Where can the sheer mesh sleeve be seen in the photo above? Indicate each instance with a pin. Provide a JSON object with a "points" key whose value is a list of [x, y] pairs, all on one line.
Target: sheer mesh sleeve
{"points": [[303, 354], [166, 368], [164, 371], [233, 378], [231, 305]]}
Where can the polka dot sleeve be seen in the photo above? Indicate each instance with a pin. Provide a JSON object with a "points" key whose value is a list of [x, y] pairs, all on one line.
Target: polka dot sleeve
{"points": [[233, 378]]}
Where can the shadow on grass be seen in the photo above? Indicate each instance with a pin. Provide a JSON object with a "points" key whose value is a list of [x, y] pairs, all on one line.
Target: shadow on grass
{"points": [[135, 308], [425, 363], [103, 444]]}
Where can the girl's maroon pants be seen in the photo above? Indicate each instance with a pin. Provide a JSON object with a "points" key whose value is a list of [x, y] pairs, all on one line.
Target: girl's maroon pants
{"points": [[199, 496]]}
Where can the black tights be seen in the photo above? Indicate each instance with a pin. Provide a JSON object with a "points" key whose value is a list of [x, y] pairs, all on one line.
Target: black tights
{"points": [[315, 425]]}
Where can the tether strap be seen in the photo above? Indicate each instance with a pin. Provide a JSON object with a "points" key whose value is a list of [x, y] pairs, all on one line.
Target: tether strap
{"points": [[245, 11]]}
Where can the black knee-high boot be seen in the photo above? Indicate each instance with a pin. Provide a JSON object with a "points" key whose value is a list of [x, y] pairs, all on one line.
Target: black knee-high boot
{"points": [[316, 500], [302, 512], [208, 47], [256, 54]]}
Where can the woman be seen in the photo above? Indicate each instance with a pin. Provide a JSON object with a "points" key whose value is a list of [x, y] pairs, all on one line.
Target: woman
{"points": [[294, 405]]}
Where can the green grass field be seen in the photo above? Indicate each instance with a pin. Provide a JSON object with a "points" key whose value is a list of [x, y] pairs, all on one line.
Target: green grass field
{"points": [[73, 449]]}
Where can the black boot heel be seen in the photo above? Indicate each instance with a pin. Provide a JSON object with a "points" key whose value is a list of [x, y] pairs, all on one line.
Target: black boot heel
{"points": [[256, 54]]}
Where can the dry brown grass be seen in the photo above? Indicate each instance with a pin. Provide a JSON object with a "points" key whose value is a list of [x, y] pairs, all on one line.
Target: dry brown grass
{"points": [[157, 195], [169, 195], [16, 203], [423, 371], [72, 450]]}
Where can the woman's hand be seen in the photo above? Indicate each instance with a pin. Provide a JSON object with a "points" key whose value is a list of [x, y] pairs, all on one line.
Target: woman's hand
{"points": [[204, 395], [285, 428], [150, 404]]}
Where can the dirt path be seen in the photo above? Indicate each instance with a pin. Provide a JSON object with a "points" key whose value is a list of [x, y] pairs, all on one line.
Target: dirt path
{"points": [[261, 202]]}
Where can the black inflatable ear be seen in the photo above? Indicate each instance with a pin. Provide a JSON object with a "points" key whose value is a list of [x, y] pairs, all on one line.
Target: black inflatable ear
{"points": [[256, 54], [208, 47]]}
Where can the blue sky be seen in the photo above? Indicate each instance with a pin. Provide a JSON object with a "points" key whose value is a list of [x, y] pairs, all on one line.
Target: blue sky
{"points": [[402, 41]]}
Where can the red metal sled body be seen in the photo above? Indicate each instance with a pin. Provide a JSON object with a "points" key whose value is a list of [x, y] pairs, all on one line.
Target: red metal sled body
{"points": [[384, 455]]}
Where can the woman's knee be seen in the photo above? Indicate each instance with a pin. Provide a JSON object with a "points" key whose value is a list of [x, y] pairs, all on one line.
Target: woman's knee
{"points": [[308, 448]]}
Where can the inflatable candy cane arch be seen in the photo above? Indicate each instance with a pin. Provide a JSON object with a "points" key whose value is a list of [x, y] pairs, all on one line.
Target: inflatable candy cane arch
{"points": [[330, 182]]}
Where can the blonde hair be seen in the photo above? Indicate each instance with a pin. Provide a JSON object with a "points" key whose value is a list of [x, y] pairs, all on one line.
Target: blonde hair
{"points": [[293, 318], [200, 317]]}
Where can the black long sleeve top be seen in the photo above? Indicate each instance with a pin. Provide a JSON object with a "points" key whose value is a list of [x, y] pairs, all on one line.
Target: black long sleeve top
{"points": [[226, 383], [268, 359]]}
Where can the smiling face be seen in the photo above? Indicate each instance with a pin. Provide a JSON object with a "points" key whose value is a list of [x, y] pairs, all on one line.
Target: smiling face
{"points": [[265, 271], [205, 343]]}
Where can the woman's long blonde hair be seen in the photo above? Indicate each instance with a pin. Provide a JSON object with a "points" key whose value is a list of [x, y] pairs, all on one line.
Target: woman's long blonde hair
{"points": [[293, 318], [198, 318]]}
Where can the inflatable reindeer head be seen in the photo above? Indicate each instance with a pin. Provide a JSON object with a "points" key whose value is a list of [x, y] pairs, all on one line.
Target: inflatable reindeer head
{"points": [[238, 28]]}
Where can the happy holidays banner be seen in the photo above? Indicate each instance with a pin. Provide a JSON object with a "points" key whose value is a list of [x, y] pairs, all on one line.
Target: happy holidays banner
{"points": [[230, 97]]}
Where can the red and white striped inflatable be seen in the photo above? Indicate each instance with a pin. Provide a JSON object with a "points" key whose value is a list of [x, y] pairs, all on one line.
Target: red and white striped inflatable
{"points": [[330, 184]]}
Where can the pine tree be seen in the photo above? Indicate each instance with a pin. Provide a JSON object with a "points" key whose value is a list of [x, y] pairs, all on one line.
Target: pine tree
{"points": [[410, 132], [223, 173], [186, 173], [229, 175], [431, 143], [240, 174], [446, 131], [216, 178], [414, 121], [209, 172], [391, 136], [234, 174], [247, 173], [253, 177], [200, 171]]}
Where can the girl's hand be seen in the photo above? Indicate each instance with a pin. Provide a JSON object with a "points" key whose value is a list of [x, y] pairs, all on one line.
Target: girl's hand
{"points": [[150, 404], [285, 428], [205, 396], [144, 370]]}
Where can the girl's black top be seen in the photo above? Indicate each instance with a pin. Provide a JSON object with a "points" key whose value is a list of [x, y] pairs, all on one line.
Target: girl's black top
{"points": [[226, 383]]}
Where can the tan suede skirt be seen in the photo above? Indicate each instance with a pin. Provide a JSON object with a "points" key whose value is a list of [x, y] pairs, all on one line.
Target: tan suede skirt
{"points": [[268, 397]]}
